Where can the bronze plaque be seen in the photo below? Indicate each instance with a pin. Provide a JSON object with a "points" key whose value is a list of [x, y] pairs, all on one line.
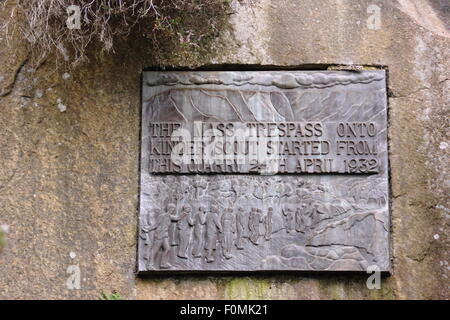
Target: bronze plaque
{"points": [[264, 171]]}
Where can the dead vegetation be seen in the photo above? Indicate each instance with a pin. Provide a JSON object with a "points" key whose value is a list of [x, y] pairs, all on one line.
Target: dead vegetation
{"points": [[51, 26]]}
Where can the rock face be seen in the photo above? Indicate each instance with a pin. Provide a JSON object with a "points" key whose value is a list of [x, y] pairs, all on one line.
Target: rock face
{"points": [[69, 176]]}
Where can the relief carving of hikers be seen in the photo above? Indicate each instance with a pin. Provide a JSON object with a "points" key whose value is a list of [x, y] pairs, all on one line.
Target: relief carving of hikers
{"points": [[213, 226], [161, 245], [254, 222], [241, 227], [184, 223], [228, 222], [147, 235], [199, 220]]}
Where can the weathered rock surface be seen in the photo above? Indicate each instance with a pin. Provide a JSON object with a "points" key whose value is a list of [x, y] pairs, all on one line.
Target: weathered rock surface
{"points": [[69, 180]]}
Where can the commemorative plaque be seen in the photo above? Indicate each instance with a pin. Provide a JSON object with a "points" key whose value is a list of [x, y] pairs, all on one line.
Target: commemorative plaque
{"points": [[264, 171]]}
